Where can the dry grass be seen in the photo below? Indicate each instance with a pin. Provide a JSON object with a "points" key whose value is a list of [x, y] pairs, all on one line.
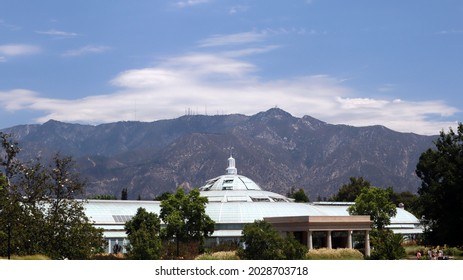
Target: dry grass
{"points": [[334, 254], [31, 257], [222, 255]]}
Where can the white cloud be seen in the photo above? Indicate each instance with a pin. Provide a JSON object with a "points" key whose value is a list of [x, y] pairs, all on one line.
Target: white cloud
{"points": [[18, 50], [58, 34], [233, 39], [18, 99], [188, 3], [237, 9], [249, 51], [450, 32], [89, 49]]}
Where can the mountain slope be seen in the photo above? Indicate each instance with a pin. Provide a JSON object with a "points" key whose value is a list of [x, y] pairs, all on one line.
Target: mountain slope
{"points": [[274, 148]]}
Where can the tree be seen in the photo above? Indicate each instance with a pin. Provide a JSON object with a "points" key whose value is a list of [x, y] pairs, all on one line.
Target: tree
{"points": [[441, 192], [124, 194], [349, 192], [104, 197], [293, 249], [39, 209], [162, 196], [407, 199], [143, 233], [262, 242], [374, 202], [69, 231], [185, 218], [299, 196], [10, 207]]}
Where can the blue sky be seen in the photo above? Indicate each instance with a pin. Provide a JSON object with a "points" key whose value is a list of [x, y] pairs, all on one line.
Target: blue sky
{"points": [[358, 62]]}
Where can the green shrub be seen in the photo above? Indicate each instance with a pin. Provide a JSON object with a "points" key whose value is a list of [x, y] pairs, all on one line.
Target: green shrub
{"points": [[411, 250], [453, 251], [263, 242], [387, 245]]}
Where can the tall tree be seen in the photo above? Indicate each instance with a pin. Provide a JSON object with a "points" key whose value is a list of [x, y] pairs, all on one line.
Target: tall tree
{"points": [[349, 192], [374, 202], [124, 194], [69, 230], [185, 218], [39, 212], [299, 196], [441, 192], [10, 207], [407, 199], [143, 232]]}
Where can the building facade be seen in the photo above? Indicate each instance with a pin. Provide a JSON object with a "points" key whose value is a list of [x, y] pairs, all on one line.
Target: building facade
{"points": [[235, 200]]}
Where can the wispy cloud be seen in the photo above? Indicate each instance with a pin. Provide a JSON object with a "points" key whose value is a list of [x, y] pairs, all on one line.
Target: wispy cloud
{"points": [[8, 26], [89, 49], [233, 39], [250, 51], [238, 9], [18, 50], [386, 88], [450, 32], [58, 33], [189, 3]]}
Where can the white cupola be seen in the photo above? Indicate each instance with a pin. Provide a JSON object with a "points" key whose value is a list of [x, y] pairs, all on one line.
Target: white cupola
{"points": [[231, 169]]}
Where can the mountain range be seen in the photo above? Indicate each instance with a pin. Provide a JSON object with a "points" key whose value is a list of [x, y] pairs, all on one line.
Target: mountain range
{"points": [[278, 151]]}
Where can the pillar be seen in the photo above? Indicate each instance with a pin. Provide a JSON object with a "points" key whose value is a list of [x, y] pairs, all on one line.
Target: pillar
{"points": [[349, 239], [328, 240], [367, 243], [309, 240], [108, 249]]}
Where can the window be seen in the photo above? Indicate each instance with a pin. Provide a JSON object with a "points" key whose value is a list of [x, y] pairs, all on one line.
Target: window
{"points": [[260, 199], [122, 218], [278, 199]]}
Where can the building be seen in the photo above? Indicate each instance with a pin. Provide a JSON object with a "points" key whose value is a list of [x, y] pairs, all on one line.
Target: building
{"points": [[235, 200]]}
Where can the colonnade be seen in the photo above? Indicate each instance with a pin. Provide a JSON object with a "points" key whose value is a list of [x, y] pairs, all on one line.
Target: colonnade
{"points": [[329, 241]]}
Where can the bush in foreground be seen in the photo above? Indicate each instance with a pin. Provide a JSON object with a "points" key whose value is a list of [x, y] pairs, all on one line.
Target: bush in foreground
{"points": [[262, 242]]}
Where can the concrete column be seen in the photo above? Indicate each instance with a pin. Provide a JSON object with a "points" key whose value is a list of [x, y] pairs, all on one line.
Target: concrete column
{"points": [[328, 240], [309, 240], [367, 243], [349, 239], [109, 249]]}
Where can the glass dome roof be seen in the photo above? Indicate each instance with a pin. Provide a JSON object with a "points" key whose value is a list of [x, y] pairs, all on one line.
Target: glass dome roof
{"points": [[232, 187]]}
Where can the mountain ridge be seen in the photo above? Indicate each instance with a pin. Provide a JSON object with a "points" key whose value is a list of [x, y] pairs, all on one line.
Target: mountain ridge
{"points": [[274, 148]]}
